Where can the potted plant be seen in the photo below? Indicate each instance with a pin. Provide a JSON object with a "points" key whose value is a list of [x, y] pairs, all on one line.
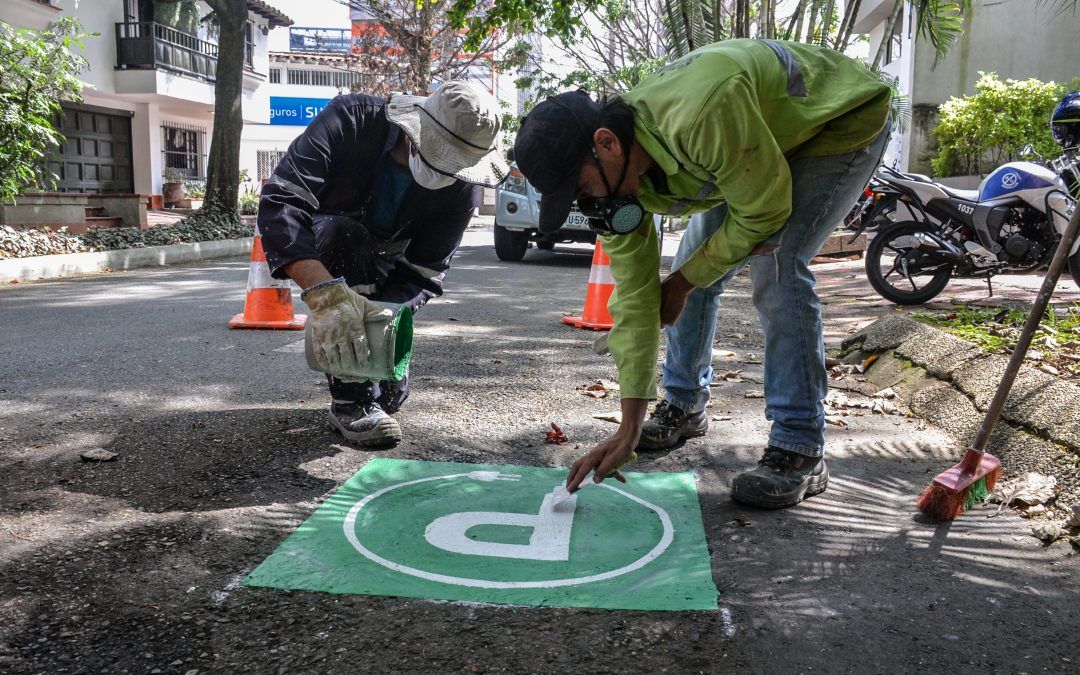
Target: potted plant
{"points": [[195, 190], [172, 190]]}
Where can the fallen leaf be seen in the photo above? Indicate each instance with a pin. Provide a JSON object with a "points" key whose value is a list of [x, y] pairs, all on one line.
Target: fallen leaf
{"points": [[754, 393], [1074, 519], [886, 393], [723, 354], [1047, 368], [615, 417], [728, 376], [1029, 489], [598, 389], [98, 455], [555, 436], [720, 418], [1047, 531], [835, 421]]}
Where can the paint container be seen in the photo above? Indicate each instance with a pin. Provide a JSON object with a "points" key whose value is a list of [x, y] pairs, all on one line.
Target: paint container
{"points": [[390, 342]]}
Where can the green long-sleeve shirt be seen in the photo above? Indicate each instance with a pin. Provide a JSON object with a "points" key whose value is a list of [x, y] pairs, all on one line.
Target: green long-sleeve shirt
{"points": [[721, 123]]}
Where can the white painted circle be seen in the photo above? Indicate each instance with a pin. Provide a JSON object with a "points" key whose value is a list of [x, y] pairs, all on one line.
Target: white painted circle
{"points": [[349, 527]]}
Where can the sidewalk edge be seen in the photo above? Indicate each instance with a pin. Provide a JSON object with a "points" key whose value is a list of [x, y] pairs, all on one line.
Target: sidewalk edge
{"points": [[71, 264]]}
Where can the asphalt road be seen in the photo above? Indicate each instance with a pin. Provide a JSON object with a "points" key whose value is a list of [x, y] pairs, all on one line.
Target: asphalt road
{"points": [[134, 565]]}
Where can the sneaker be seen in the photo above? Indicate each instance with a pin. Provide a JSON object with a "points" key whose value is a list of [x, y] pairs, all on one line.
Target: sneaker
{"points": [[781, 479], [365, 424], [669, 424]]}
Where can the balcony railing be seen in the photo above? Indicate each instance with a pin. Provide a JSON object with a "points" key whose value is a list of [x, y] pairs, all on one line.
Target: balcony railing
{"points": [[149, 45]]}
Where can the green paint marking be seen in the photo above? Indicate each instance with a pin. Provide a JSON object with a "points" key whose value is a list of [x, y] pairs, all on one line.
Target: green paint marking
{"points": [[489, 533]]}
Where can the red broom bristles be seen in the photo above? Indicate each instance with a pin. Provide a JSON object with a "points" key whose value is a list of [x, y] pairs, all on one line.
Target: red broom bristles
{"points": [[943, 504]]}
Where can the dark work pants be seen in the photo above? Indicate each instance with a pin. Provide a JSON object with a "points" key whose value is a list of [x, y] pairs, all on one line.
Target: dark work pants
{"points": [[347, 250]]}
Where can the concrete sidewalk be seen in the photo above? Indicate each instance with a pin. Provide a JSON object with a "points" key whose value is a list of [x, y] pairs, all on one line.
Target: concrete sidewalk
{"points": [[849, 303], [953, 381]]}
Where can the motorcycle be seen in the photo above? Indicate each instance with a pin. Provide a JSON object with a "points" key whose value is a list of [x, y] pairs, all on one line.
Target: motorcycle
{"points": [[924, 233]]}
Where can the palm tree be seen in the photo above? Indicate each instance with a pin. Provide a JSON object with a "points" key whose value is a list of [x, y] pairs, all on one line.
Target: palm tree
{"points": [[693, 23]]}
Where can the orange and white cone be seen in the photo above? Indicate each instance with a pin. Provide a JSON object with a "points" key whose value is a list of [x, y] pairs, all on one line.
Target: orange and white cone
{"points": [[596, 316], [269, 300]]}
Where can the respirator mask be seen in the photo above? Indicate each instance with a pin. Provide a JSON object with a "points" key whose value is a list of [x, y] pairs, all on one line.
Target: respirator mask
{"points": [[612, 215], [425, 176]]}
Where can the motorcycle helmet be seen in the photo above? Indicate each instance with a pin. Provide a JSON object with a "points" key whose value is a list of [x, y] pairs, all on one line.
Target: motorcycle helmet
{"points": [[1065, 122]]}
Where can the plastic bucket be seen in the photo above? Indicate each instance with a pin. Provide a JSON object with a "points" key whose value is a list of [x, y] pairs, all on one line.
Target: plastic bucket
{"points": [[390, 342]]}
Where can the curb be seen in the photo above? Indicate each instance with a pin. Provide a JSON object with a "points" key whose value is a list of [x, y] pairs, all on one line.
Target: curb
{"points": [[952, 383], [70, 264]]}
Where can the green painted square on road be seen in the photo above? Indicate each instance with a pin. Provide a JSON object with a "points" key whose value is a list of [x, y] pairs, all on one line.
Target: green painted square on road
{"points": [[502, 534]]}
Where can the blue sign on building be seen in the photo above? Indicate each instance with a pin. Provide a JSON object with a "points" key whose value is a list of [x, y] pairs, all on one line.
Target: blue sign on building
{"points": [[296, 112]]}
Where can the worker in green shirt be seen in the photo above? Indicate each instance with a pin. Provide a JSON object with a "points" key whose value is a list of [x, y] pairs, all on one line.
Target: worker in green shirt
{"points": [[771, 142]]}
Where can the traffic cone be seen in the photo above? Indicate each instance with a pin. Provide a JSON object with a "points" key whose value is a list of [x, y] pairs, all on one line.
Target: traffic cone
{"points": [[269, 300], [596, 315]]}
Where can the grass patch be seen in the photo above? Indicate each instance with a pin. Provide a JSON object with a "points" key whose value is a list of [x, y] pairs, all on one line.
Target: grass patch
{"points": [[996, 330]]}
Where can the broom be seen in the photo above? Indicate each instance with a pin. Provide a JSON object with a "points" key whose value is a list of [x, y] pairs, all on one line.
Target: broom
{"points": [[969, 483]]}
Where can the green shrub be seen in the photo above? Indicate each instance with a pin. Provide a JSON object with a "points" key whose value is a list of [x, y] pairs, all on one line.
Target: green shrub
{"points": [[248, 201], [205, 225], [38, 69], [195, 189], [976, 134]]}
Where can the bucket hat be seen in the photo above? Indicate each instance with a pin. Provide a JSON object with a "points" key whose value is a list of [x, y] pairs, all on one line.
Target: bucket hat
{"points": [[455, 130]]}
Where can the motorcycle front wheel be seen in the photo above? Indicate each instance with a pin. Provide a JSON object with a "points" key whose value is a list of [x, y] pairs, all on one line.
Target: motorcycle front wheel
{"points": [[899, 271]]}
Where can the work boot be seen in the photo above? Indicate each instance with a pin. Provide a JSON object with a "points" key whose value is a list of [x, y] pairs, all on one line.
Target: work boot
{"points": [[365, 424], [781, 479], [668, 424]]}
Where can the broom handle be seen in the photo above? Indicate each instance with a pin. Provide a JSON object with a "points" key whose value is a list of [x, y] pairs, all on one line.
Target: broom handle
{"points": [[993, 412]]}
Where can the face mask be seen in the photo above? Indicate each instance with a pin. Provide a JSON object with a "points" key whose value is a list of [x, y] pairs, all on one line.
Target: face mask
{"points": [[427, 177], [611, 214]]}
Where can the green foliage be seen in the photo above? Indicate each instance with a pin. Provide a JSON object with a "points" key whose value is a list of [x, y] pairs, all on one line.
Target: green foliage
{"points": [[978, 133], [994, 329], [554, 18], [38, 69], [941, 22], [207, 224], [173, 175], [183, 15], [248, 201], [195, 189]]}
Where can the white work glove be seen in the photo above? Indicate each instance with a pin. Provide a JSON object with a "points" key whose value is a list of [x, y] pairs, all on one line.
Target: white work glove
{"points": [[338, 316]]}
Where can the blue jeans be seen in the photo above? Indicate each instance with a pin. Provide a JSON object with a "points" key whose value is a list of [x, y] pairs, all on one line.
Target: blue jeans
{"points": [[796, 382]]}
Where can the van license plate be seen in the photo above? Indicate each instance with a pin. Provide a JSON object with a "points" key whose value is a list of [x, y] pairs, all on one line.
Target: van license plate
{"points": [[576, 220]]}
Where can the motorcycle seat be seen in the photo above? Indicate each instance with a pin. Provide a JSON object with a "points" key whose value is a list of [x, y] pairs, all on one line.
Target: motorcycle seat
{"points": [[966, 195]]}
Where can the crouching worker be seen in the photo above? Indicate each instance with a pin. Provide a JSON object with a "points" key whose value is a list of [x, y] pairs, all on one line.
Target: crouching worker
{"points": [[369, 204], [773, 142]]}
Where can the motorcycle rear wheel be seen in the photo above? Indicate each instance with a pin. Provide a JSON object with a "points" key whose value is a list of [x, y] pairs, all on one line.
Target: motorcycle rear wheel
{"points": [[913, 283]]}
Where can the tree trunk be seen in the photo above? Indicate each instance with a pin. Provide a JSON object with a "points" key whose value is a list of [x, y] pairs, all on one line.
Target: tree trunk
{"points": [[826, 23], [223, 164], [811, 23], [794, 27], [843, 35], [888, 35]]}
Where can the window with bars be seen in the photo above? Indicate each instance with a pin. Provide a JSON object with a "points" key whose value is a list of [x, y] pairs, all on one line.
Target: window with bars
{"points": [[322, 78], [266, 162], [275, 76], [180, 147]]}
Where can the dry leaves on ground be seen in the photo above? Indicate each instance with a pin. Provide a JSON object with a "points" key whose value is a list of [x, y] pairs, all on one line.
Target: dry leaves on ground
{"points": [[555, 436], [598, 389]]}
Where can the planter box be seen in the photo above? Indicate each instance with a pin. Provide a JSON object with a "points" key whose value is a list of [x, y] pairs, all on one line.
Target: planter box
{"points": [[70, 264]]}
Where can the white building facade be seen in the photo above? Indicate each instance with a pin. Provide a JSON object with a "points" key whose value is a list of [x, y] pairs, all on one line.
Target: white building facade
{"points": [[149, 96], [1017, 39]]}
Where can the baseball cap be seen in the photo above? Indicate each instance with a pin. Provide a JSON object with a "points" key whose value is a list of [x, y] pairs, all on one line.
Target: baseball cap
{"points": [[550, 147]]}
